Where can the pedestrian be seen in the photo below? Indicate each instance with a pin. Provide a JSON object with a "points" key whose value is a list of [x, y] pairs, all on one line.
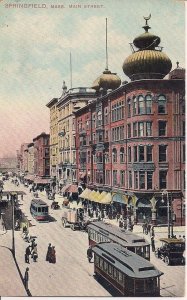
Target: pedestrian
{"points": [[48, 255], [26, 278], [149, 228], [121, 223], [143, 227], [21, 196], [153, 244], [33, 244], [118, 216], [27, 254], [89, 254], [7, 196], [152, 231], [3, 226], [35, 253], [53, 255]]}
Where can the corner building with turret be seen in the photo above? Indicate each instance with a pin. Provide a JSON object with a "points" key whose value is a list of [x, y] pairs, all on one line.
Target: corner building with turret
{"points": [[131, 139]]}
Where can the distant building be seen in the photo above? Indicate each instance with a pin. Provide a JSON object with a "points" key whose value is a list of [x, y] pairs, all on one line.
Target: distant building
{"points": [[41, 155]]}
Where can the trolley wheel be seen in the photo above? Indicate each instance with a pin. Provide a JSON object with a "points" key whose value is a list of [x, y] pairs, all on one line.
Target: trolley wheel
{"points": [[167, 261]]}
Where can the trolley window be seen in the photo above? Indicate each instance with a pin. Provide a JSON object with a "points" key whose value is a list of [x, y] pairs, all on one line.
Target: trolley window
{"points": [[120, 276], [39, 209], [105, 266], [101, 263], [115, 274], [109, 269], [96, 260], [139, 285]]}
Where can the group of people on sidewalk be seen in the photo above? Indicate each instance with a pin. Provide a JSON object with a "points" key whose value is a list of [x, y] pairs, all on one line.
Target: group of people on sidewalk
{"points": [[32, 251]]}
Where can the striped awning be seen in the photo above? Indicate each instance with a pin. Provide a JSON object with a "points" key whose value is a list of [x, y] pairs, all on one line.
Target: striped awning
{"points": [[63, 190], [42, 180], [73, 188], [107, 199], [84, 193]]}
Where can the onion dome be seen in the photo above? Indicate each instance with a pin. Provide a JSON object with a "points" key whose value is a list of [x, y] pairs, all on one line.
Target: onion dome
{"points": [[177, 73], [148, 61], [107, 81]]}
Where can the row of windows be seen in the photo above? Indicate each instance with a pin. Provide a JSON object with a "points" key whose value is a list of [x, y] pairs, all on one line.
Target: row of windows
{"points": [[109, 269], [118, 133], [118, 111], [97, 237]]}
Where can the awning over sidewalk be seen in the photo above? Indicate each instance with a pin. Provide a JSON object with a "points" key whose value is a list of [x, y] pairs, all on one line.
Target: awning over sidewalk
{"points": [[107, 199], [73, 188], [42, 180], [29, 177], [82, 175], [85, 193], [63, 190]]}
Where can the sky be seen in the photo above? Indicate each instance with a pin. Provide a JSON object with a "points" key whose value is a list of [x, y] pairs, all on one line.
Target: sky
{"points": [[35, 46]]}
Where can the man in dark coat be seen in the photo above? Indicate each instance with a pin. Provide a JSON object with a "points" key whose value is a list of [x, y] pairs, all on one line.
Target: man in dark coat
{"points": [[153, 244], [89, 254], [27, 254], [48, 255]]}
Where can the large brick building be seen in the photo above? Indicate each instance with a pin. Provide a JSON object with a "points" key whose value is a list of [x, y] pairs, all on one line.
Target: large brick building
{"points": [[131, 141]]}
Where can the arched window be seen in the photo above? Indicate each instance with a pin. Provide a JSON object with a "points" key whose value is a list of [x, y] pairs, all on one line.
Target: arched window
{"points": [[114, 155], [148, 104], [122, 155], [141, 108], [106, 116], [162, 104]]}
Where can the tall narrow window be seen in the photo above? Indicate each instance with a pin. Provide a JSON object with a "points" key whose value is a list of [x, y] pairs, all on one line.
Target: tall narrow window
{"points": [[130, 179], [162, 128], [142, 180], [149, 180], [114, 177], [163, 179], [149, 153], [140, 129], [161, 104], [162, 153], [135, 179], [129, 107], [134, 106], [141, 153], [114, 155], [135, 154], [141, 108], [148, 128], [184, 154], [129, 154], [129, 130], [122, 155], [148, 104], [135, 129]]}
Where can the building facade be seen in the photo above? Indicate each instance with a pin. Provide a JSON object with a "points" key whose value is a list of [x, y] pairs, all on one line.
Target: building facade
{"points": [[31, 158], [131, 141], [23, 158], [42, 155], [52, 105], [68, 103]]}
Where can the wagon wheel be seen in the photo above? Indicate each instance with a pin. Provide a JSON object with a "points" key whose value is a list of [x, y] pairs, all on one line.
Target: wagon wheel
{"points": [[167, 261], [73, 227]]}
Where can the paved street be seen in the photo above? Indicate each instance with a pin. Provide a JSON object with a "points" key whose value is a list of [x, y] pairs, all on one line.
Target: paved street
{"points": [[72, 275]]}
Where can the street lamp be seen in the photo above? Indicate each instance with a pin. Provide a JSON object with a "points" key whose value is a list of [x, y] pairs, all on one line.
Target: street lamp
{"points": [[165, 192], [13, 195]]}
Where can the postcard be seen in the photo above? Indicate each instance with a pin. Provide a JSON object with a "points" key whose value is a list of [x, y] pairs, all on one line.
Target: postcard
{"points": [[92, 148]]}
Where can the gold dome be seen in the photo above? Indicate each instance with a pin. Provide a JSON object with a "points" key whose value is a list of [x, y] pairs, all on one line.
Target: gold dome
{"points": [[148, 61], [107, 81], [147, 64]]}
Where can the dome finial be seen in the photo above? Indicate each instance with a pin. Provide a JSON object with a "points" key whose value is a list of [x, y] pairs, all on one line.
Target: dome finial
{"points": [[146, 26]]}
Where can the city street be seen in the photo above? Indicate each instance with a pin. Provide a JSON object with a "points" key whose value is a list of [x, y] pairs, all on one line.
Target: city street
{"points": [[72, 275]]}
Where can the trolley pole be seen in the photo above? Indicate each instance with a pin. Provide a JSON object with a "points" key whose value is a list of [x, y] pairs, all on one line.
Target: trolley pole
{"points": [[13, 222]]}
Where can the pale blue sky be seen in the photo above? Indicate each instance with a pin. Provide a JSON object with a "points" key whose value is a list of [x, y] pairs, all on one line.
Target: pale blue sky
{"points": [[35, 47]]}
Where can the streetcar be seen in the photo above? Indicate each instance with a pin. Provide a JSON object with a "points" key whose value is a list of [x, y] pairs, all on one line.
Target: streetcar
{"points": [[128, 273], [99, 232], [39, 210]]}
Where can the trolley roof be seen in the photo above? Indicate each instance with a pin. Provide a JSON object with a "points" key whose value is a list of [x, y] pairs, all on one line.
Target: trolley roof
{"points": [[118, 235], [126, 261], [38, 202], [172, 241]]}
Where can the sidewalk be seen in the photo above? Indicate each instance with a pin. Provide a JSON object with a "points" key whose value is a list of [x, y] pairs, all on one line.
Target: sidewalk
{"points": [[11, 283]]}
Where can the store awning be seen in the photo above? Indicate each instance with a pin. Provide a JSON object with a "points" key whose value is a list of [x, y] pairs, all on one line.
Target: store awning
{"points": [[29, 177], [101, 196], [107, 199], [92, 195], [73, 188], [82, 195], [64, 189], [42, 180], [119, 198]]}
